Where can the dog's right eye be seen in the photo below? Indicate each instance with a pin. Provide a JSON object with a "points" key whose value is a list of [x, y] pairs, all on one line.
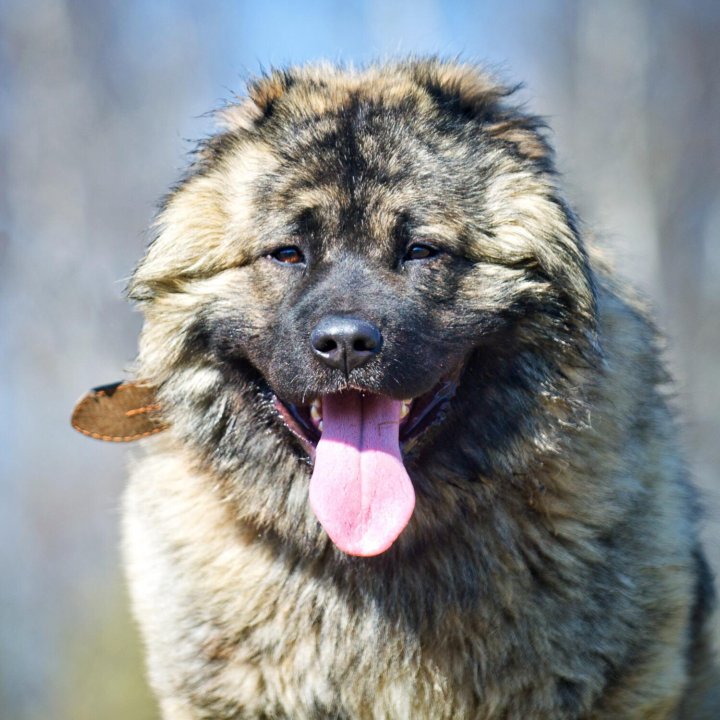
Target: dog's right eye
{"points": [[289, 255], [420, 251]]}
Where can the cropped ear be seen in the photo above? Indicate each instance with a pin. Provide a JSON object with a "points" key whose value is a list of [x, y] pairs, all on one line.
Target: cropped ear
{"points": [[467, 91], [527, 135], [458, 87], [246, 113], [190, 240]]}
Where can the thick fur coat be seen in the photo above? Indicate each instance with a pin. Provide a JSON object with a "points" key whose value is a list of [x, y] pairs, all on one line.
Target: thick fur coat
{"points": [[551, 567]]}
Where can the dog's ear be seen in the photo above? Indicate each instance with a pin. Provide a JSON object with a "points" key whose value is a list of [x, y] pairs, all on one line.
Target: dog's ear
{"points": [[190, 233], [465, 90], [263, 93], [189, 240]]}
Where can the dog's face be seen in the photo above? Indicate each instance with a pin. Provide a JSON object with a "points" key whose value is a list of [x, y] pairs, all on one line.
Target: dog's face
{"points": [[361, 270]]}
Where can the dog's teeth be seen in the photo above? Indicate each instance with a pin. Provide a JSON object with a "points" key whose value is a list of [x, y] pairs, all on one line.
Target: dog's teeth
{"points": [[320, 425], [405, 410], [316, 413]]}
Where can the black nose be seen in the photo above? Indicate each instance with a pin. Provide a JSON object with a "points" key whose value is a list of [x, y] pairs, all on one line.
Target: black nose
{"points": [[345, 342]]}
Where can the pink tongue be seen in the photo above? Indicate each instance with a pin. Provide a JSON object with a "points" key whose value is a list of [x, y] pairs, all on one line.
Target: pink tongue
{"points": [[359, 490]]}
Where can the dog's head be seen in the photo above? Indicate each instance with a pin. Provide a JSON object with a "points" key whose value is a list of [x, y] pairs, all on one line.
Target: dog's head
{"points": [[372, 271]]}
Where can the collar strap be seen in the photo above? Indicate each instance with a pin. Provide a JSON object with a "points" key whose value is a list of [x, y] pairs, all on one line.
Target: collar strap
{"points": [[119, 412]]}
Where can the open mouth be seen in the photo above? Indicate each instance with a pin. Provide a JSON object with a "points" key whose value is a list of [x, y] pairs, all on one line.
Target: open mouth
{"points": [[360, 490], [417, 415]]}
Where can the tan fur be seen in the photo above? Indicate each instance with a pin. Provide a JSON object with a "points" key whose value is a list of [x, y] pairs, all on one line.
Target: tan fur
{"points": [[249, 612]]}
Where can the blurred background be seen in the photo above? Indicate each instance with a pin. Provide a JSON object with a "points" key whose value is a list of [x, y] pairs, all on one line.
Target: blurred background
{"points": [[97, 103]]}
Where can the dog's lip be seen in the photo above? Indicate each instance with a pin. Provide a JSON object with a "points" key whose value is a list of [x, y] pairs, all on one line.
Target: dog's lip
{"points": [[425, 411], [299, 424]]}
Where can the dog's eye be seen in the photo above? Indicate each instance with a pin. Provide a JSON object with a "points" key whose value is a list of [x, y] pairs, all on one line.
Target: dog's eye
{"points": [[290, 255], [420, 251]]}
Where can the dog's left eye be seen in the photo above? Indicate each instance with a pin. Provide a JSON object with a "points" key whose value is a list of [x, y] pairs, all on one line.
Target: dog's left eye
{"points": [[420, 251], [290, 255]]}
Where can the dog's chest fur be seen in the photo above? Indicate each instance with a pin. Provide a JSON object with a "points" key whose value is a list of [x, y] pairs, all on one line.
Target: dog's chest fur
{"points": [[237, 631]]}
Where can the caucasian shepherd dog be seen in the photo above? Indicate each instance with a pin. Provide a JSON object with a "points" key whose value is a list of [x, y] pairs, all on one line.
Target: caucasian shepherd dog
{"points": [[419, 460]]}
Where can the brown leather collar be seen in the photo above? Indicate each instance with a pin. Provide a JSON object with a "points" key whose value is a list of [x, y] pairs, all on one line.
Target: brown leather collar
{"points": [[119, 412]]}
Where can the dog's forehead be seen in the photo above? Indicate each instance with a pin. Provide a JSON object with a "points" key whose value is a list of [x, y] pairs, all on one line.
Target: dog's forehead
{"points": [[355, 174], [368, 162]]}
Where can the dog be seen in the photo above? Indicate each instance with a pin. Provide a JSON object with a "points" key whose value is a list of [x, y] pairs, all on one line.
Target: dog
{"points": [[419, 460]]}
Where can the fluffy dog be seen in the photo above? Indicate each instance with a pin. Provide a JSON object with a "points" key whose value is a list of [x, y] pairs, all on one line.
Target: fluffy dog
{"points": [[420, 462]]}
